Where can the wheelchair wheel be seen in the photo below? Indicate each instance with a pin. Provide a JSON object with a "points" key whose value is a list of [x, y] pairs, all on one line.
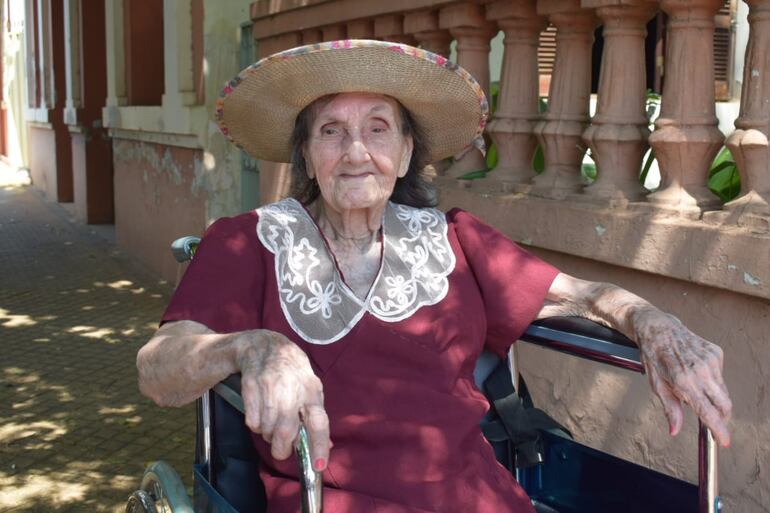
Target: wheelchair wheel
{"points": [[161, 491], [140, 502]]}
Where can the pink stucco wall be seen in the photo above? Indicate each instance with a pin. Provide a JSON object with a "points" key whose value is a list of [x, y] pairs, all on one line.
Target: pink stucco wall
{"points": [[158, 198]]}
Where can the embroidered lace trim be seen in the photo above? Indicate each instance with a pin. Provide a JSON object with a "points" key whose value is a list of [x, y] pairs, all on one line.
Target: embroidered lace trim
{"points": [[318, 305]]}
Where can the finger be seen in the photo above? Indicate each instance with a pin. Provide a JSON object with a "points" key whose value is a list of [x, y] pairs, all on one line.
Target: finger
{"points": [[252, 404], [268, 417], [284, 434], [672, 406], [719, 398], [317, 425], [708, 414]]}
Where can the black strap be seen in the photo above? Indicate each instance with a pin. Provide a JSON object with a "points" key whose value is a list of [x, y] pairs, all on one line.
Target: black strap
{"points": [[516, 419]]}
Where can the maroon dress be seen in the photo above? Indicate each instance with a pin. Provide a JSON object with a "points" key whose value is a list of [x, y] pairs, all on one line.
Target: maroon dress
{"points": [[399, 390]]}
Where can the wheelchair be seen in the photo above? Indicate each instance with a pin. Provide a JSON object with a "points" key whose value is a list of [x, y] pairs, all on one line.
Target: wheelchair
{"points": [[559, 474]]}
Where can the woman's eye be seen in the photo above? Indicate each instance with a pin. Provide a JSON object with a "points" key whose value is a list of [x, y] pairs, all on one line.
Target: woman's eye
{"points": [[379, 129], [330, 130]]}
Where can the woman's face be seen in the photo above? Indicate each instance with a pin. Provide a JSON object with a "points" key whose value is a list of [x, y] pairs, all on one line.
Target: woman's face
{"points": [[356, 150]]}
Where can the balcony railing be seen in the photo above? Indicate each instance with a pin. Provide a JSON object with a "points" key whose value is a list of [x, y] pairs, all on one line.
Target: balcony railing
{"points": [[614, 219]]}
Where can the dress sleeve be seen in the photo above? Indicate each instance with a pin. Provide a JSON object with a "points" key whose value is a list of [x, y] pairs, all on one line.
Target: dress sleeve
{"points": [[222, 287], [513, 283]]}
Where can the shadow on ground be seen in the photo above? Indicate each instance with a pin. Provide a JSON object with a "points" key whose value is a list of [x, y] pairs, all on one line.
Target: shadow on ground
{"points": [[75, 434]]}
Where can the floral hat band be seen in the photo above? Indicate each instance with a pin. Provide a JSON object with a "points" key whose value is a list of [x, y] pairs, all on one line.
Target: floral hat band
{"points": [[257, 109]]}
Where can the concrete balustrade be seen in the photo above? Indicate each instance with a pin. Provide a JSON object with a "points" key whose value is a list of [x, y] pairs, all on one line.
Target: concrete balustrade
{"points": [[749, 143], [391, 28], [468, 25], [686, 137], [618, 132], [423, 25], [512, 127], [360, 29], [561, 130]]}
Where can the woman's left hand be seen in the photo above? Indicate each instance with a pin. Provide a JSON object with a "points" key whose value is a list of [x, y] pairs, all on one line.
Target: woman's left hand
{"points": [[684, 368]]}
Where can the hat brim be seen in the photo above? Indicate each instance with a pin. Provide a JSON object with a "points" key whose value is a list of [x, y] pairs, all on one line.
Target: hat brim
{"points": [[258, 108]]}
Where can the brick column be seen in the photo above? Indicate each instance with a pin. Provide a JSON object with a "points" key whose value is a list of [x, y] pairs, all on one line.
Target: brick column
{"points": [[561, 129], [311, 36], [686, 136], [513, 123], [468, 25], [749, 143], [275, 177], [271, 45], [618, 133], [423, 25], [334, 32], [391, 28], [360, 29]]}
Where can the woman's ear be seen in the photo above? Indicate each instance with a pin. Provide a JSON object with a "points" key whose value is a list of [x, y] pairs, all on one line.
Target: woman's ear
{"points": [[407, 156]]}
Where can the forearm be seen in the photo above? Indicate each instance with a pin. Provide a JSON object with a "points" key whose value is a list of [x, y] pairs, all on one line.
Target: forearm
{"points": [[183, 360], [605, 303]]}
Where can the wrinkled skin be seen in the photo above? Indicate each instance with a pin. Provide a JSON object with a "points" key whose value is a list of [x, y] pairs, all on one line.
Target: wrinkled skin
{"points": [[684, 368], [681, 366], [356, 152]]}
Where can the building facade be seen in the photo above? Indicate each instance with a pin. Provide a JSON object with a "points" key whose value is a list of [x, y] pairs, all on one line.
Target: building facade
{"points": [[120, 103]]}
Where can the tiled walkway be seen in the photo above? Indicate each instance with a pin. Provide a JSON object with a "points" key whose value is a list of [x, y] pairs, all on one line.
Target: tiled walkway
{"points": [[75, 434]]}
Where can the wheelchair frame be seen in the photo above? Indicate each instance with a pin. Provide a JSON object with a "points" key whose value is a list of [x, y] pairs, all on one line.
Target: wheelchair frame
{"points": [[574, 336]]}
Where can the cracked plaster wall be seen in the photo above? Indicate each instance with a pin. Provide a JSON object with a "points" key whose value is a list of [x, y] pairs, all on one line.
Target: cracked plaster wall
{"points": [[614, 410], [160, 195], [221, 160]]}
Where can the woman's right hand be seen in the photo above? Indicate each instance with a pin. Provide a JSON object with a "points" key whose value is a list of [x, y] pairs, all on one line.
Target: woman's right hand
{"points": [[278, 386]]}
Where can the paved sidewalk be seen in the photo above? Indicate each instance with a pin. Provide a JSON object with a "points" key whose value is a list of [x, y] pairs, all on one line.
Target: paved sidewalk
{"points": [[75, 434]]}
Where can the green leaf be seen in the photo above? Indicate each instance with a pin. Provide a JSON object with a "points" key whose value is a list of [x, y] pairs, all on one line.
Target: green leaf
{"points": [[726, 182], [494, 92], [588, 171], [542, 104], [473, 175], [492, 156], [646, 167], [538, 160], [723, 156]]}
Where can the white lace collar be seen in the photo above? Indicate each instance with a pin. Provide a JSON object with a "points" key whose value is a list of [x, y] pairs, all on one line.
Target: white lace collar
{"points": [[319, 306]]}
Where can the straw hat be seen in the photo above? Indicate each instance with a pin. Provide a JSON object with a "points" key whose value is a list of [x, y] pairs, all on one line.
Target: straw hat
{"points": [[257, 109]]}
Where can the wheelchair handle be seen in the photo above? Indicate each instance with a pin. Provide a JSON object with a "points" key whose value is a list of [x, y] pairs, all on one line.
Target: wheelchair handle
{"points": [[311, 483], [586, 339]]}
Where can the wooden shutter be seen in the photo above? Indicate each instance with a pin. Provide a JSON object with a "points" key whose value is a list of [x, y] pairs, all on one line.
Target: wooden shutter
{"points": [[724, 49], [546, 57]]}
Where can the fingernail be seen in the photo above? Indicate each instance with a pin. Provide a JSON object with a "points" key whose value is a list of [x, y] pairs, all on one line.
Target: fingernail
{"points": [[320, 463]]}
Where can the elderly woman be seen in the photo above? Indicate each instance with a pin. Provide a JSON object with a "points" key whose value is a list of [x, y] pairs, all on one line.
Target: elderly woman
{"points": [[358, 307]]}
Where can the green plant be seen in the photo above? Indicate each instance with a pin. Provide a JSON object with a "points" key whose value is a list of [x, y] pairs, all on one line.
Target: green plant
{"points": [[724, 179]]}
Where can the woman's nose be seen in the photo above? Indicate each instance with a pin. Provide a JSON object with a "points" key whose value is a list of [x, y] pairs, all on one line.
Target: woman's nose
{"points": [[356, 151]]}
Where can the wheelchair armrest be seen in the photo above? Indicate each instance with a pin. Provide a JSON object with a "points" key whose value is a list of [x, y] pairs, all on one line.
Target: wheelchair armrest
{"points": [[184, 248], [230, 391], [585, 339]]}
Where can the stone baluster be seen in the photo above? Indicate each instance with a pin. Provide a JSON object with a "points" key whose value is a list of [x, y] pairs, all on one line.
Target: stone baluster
{"points": [[618, 133], [275, 177], [423, 25], [391, 28], [334, 32], [311, 36], [686, 136], [361, 29], [561, 129], [468, 25], [271, 45], [517, 112], [749, 143]]}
